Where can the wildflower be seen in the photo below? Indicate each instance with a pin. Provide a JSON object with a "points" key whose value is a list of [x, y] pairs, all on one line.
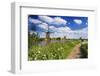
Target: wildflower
{"points": [[39, 52], [58, 49], [44, 55], [35, 58], [61, 47]]}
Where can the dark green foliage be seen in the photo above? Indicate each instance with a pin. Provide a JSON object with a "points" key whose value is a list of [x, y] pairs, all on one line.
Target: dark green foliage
{"points": [[84, 50], [58, 38]]}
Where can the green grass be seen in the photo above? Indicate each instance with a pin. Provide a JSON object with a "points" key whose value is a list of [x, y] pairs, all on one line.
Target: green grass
{"points": [[52, 51]]}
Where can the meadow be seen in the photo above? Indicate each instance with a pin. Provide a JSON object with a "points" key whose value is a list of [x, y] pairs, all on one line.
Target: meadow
{"points": [[52, 51]]}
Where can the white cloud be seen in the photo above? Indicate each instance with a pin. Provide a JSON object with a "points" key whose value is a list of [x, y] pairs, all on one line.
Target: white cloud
{"points": [[63, 29], [43, 26], [53, 28], [56, 20], [83, 33], [60, 29], [78, 21], [46, 19], [71, 34], [84, 30], [34, 21], [44, 22], [59, 21]]}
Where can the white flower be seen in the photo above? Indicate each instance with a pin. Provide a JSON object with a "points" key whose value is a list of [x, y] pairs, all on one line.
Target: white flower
{"points": [[35, 58], [58, 48], [39, 52], [44, 55], [61, 47]]}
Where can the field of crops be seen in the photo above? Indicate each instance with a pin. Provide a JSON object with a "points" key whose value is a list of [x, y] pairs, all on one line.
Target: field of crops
{"points": [[52, 51]]}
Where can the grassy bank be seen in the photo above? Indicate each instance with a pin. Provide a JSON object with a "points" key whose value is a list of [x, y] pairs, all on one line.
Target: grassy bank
{"points": [[52, 51], [84, 50]]}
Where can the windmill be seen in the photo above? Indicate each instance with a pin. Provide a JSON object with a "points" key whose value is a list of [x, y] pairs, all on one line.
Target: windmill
{"points": [[48, 32], [43, 21]]}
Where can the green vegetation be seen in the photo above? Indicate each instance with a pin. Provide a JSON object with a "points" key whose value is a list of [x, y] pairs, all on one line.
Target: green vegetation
{"points": [[33, 39], [52, 51], [55, 48], [84, 50]]}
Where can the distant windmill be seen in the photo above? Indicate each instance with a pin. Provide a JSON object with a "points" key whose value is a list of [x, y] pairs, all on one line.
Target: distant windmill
{"points": [[48, 32]]}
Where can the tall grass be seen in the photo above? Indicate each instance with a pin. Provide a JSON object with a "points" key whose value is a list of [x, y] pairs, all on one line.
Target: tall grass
{"points": [[52, 51]]}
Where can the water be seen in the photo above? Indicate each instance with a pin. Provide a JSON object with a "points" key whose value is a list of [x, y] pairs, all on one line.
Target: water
{"points": [[44, 42]]}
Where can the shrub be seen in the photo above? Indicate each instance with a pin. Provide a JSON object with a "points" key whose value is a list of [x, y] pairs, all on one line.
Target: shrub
{"points": [[84, 50]]}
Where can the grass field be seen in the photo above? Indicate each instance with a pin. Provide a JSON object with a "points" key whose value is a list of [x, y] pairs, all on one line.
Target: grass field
{"points": [[52, 51]]}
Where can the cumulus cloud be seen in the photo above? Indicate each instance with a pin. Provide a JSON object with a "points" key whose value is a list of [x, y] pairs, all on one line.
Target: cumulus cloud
{"points": [[59, 29], [34, 21], [52, 28], [46, 19], [66, 31], [59, 21], [71, 34], [84, 30], [57, 26], [78, 21], [43, 26], [53, 21], [63, 29], [83, 33]]}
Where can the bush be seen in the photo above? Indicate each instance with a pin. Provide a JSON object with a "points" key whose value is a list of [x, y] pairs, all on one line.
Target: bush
{"points": [[84, 50]]}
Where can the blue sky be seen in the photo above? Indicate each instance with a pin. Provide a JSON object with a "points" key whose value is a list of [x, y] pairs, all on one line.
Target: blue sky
{"points": [[59, 26]]}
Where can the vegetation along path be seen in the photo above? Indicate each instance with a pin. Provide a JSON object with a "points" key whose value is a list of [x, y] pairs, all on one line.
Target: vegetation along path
{"points": [[75, 52]]}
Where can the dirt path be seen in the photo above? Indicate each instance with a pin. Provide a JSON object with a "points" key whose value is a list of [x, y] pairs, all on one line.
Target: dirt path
{"points": [[75, 52]]}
